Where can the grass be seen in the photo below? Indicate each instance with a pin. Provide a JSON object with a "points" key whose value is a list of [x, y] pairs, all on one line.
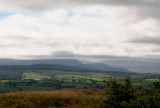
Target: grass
{"points": [[152, 80], [31, 75], [3, 81], [65, 75], [71, 98], [93, 76], [68, 75]]}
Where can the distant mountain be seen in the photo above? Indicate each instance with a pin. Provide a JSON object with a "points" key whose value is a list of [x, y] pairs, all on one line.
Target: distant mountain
{"points": [[65, 62], [104, 67], [68, 62], [47, 67]]}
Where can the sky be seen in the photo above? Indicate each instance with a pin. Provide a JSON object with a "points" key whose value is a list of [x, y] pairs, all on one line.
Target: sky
{"points": [[121, 33]]}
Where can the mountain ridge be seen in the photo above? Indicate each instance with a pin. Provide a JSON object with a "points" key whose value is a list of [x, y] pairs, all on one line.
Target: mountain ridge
{"points": [[65, 62]]}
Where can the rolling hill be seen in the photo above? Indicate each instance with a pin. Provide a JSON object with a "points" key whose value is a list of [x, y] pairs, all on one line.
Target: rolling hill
{"points": [[64, 62]]}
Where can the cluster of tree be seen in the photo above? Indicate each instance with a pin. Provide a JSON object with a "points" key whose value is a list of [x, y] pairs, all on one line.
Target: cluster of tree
{"points": [[21, 83], [127, 94], [52, 84], [11, 74]]}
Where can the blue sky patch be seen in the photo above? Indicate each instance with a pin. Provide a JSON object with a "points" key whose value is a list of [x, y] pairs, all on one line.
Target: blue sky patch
{"points": [[4, 14], [70, 13]]}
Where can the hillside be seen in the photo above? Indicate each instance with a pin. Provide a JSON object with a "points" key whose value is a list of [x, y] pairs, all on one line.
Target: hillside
{"points": [[47, 67], [65, 62], [104, 67]]}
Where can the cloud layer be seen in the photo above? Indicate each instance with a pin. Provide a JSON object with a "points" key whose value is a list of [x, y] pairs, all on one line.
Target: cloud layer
{"points": [[118, 28], [45, 4], [80, 31]]}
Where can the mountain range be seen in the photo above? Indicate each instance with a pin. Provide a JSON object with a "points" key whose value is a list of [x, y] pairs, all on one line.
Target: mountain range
{"points": [[64, 62]]}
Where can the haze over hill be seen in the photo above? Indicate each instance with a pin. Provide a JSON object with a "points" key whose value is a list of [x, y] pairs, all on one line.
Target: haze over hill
{"points": [[66, 62]]}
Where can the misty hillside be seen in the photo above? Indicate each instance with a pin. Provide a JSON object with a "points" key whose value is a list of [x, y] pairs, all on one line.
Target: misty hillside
{"points": [[65, 62], [104, 67], [47, 67]]}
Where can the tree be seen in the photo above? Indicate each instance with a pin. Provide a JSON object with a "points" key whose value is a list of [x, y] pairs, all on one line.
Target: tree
{"points": [[121, 94]]}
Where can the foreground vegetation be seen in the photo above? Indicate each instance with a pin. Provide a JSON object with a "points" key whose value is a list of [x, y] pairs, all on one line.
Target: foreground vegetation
{"points": [[72, 98], [118, 94], [127, 94]]}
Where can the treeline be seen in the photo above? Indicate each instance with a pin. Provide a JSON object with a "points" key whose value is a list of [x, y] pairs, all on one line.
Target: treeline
{"points": [[127, 94], [48, 84], [11, 74]]}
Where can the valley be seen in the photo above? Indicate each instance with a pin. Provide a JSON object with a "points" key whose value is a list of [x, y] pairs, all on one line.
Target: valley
{"points": [[48, 77]]}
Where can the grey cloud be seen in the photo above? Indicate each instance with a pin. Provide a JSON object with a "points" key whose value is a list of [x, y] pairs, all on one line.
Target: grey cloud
{"points": [[43, 4], [11, 45], [55, 55], [144, 65], [146, 8], [63, 54], [146, 40], [15, 41], [18, 37], [138, 65], [19, 41], [151, 12]]}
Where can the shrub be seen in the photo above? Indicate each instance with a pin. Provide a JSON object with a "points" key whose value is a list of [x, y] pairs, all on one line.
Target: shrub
{"points": [[126, 94], [120, 94]]}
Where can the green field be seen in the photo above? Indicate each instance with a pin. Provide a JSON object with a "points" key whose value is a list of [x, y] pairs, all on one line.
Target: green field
{"points": [[97, 76], [63, 75], [35, 76]]}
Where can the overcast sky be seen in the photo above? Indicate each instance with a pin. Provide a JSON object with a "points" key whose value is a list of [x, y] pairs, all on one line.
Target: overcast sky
{"points": [[116, 32]]}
